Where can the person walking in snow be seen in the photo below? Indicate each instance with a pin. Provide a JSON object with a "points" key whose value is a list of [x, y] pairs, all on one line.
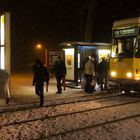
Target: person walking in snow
{"points": [[41, 75], [59, 69]]}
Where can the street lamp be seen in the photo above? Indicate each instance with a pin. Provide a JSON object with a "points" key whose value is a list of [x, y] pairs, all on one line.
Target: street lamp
{"points": [[40, 51], [39, 46]]}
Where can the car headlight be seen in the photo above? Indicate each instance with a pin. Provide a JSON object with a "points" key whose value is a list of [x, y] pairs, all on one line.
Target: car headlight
{"points": [[129, 74]]}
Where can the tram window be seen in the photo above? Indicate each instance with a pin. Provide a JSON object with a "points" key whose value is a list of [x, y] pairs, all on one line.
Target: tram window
{"points": [[137, 54], [113, 48], [129, 48], [123, 47], [120, 46], [116, 47]]}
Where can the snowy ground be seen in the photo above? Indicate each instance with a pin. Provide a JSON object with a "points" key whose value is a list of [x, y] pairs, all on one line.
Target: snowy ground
{"points": [[73, 115], [100, 119]]}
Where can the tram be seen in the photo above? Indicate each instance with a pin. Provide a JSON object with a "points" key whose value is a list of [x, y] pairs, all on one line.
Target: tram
{"points": [[125, 54]]}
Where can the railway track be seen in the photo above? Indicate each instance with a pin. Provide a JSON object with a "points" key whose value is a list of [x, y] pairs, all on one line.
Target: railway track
{"points": [[69, 105], [48, 121], [55, 110], [17, 122], [55, 102], [60, 135]]}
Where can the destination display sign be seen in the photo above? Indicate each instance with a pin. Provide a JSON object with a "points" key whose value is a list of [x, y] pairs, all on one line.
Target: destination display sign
{"points": [[125, 32]]}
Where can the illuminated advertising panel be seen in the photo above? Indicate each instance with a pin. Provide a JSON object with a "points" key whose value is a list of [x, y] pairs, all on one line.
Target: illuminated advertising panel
{"points": [[2, 29], [69, 61], [2, 42], [5, 41]]}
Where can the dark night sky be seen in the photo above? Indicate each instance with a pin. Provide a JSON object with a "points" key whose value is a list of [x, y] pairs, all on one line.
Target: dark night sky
{"points": [[55, 21]]}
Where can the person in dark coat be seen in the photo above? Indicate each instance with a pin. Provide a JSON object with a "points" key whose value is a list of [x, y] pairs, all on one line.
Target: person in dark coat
{"points": [[41, 75], [103, 68], [59, 69]]}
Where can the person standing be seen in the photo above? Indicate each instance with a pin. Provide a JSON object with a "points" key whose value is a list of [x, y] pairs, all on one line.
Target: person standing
{"points": [[89, 74], [4, 86], [103, 69], [41, 75], [59, 69]]}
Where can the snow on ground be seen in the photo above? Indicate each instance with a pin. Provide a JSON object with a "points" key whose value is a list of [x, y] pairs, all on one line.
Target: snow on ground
{"points": [[98, 119], [35, 113], [99, 123], [126, 130]]}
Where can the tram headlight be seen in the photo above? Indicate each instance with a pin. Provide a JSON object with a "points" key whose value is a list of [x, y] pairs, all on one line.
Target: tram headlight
{"points": [[129, 74], [137, 77], [113, 73]]}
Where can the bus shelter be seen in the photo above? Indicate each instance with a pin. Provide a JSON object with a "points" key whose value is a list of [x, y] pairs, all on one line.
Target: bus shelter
{"points": [[76, 52]]}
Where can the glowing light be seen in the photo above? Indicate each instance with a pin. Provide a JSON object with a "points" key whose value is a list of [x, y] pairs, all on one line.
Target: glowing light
{"points": [[78, 60], [69, 51], [39, 46], [2, 29], [137, 77], [113, 73], [69, 61], [129, 74], [104, 52], [113, 54]]}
